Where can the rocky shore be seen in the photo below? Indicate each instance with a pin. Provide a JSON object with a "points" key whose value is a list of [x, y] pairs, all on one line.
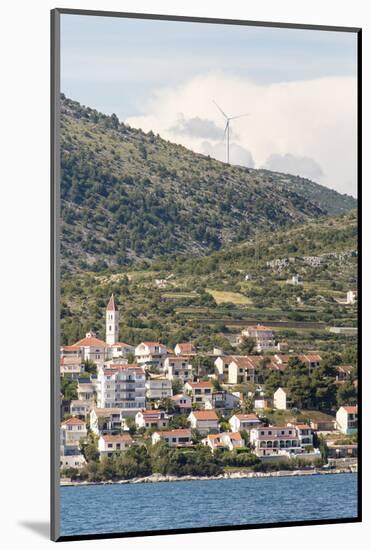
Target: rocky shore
{"points": [[159, 478]]}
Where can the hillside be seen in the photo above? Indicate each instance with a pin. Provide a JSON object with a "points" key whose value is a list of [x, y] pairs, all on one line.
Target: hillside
{"points": [[205, 299], [127, 195]]}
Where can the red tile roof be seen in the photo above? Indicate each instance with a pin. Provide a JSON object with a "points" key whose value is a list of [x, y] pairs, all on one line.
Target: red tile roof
{"points": [[176, 432], [186, 347], [200, 385], [73, 422], [258, 327], [125, 438], [205, 415], [234, 435], [352, 409], [91, 342]]}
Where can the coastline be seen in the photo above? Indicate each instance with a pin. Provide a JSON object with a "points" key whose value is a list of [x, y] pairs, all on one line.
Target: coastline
{"points": [[159, 478]]}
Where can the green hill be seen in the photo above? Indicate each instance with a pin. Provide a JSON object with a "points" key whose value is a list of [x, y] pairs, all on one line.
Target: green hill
{"points": [[203, 295], [127, 195]]}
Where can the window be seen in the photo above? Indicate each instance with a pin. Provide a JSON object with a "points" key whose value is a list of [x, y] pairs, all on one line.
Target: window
{"points": [[110, 445]]}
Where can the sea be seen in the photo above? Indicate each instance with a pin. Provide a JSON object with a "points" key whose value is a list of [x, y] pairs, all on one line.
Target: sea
{"points": [[116, 508]]}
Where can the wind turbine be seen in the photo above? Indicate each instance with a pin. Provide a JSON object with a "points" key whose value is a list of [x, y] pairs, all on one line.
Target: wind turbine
{"points": [[226, 130]]}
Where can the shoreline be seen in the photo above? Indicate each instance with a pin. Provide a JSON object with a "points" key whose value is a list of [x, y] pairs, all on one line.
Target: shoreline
{"points": [[159, 478]]}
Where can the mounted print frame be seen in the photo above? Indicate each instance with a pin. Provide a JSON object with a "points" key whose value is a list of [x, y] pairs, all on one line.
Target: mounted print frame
{"points": [[205, 274]]}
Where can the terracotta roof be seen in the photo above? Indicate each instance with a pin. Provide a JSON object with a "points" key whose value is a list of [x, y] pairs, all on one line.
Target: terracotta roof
{"points": [[200, 384], [245, 361], [122, 344], [352, 409], [106, 412], [186, 347], [234, 435], [311, 358], [258, 327], [303, 426], [74, 347], [251, 417], [73, 422], [117, 438], [345, 368], [205, 415], [111, 306], [150, 344], [92, 342], [178, 431], [157, 414]]}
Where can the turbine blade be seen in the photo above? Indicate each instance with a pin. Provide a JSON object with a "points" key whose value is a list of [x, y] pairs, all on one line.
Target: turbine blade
{"points": [[223, 113], [238, 116]]}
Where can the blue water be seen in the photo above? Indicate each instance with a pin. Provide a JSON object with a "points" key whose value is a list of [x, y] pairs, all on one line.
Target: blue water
{"points": [[188, 504]]}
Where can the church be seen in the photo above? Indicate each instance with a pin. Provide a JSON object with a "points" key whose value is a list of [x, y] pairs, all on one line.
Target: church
{"points": [[93, 349]]}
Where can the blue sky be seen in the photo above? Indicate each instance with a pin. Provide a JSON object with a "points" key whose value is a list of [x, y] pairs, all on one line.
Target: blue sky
{"points": [[129, 66]]}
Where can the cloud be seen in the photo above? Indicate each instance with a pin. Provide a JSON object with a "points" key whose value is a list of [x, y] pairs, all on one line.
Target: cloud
{"points": [[237, 154], [197, 127], [291, 164], [305, 119]]}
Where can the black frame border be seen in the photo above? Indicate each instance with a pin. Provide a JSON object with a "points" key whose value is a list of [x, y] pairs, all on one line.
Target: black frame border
{"points": [[55, 278]]}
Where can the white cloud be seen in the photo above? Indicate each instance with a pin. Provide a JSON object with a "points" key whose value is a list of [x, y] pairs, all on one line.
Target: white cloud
{"points": [[312, 119], [291, 164]]}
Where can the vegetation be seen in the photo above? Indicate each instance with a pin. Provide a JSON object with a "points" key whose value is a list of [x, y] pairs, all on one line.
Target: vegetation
{"points": [[122, 188]]}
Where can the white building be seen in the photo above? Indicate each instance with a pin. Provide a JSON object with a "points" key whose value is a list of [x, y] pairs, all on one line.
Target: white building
{"points": [[72, 460], [153, 353], [121, 350], [225, 440], [273, 440], [112, 322], [263, 336], [305, 434], [93, 349], [185, 348], [72, 432], [181, 437], [182, 402], [121, 386], [347, 419], [158, 387], [156, 418], [201, 392], [204, 421], [178, 367], [241, 370], [86, 390], [107, 421], [281, 399], [111, 444], [71, 366], [80, 408], [247, 422]]}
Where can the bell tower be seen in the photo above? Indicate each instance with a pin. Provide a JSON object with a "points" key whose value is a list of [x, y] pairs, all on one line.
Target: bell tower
{"points": [[112, 322]]}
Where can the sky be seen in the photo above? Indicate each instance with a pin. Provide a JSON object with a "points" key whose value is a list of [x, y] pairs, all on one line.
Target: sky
{"points": [[297, 87]]}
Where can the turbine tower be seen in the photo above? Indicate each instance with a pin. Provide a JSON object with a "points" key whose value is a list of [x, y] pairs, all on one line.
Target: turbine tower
{"points": [[226, 130]]}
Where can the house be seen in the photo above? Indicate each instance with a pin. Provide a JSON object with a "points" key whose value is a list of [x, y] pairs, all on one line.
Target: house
{"points": [[239, 422], [201, 392], [352, 296], [232, 440], [107, 421], [122, 386], [71, 367], [336, 450], [93, 349], [185, 349], [241, 370], [80, 408], [262, 335], [158, 387], [282, 346], [86, 390], [111, 444], [181, 437], [222, 363], [151, 419], [343, 372], [312, 361], [72, 353], [347, 419], [178, 367], [213, 441], [121, 350], [72, 432], [281, 399], [204, 421], [305, 433], [153, 353], [261, 402], [223, 400], [272, 440], [72, 460], [182, 402]]}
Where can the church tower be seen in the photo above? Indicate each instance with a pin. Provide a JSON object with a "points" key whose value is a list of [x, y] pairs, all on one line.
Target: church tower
{"points": [[112, 322]]}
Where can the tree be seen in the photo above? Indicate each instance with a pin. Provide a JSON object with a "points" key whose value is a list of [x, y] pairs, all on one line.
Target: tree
{"points": [[177, 386], [247, 345], [347, 394]]}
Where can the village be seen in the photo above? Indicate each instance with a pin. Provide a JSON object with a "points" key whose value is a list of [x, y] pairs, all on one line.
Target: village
{"points": [[117, 396]]}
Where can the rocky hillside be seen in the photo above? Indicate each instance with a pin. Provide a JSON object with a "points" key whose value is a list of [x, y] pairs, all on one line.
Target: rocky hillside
{"points": [[127, 195]]}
